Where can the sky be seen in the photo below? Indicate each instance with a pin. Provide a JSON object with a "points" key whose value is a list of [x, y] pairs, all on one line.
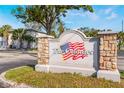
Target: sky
{"points": [[103, 17], [6, 17]]}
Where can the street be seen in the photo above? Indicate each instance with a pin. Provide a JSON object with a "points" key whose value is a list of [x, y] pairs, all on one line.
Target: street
{"points": [[12, 59]]}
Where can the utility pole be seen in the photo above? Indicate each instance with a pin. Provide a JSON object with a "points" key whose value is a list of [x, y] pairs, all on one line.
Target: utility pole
{"points": [[122, 25]]}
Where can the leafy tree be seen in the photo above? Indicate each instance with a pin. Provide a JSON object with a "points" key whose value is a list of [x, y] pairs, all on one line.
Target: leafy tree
{"points": [[1, 32], [89, 32], [29, 40], [46, 15], [53, 33], [60, 28], [120, 37], [4, 30]]}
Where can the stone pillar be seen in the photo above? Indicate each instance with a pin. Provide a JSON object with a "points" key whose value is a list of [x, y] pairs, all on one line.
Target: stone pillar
{"points": [[108, 56], [43, 50], [108, 51], [43, 54]]}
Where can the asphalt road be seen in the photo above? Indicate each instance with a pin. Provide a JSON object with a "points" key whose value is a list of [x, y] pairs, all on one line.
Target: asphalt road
{"points": [[12, 59], [120, 62]]}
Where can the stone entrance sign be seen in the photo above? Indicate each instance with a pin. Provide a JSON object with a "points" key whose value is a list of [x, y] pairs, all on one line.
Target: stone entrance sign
{"points": [[74, 52]]}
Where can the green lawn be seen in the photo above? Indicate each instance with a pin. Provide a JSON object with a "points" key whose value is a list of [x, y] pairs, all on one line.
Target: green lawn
{"points": [[30, 77]]}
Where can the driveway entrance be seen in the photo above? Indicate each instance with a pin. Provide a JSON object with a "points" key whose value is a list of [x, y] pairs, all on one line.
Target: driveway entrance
{"points": [[15, 58]]}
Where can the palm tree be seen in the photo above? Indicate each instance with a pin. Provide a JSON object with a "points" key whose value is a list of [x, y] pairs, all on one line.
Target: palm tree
{"points": [[29, 40], [4, 32], [61, 28], [18, 34], [21, 35]]}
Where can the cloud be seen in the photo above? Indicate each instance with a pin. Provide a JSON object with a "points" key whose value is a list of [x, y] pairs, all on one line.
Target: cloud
{"points": [[87, 14], [77, 14], [109, 13], [68, 22], [92, 16], [108, 10], [112, 16]]}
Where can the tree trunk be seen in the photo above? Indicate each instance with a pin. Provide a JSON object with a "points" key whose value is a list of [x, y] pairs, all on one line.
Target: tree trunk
{"points": [[119, 45], [21, 43], [7, 42], [48, 29], [28, 45]]}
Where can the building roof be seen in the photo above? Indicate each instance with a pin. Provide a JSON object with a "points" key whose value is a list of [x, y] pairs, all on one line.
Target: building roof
{"points": [[35, 31]]}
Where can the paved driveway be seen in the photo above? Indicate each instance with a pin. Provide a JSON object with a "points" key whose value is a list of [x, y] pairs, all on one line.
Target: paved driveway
{"points": [[121, 60], [11, 59]]}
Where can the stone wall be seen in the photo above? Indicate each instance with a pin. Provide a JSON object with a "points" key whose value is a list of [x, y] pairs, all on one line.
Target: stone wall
{"points": [[108, 51], [107, 58], [43, 50]]}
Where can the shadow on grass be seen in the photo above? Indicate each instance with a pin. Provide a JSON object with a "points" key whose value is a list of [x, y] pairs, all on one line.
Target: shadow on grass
{"points": [[32, 66]]}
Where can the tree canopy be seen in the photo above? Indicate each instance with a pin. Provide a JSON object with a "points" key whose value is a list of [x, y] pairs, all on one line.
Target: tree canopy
{"points": [[46, 15], [21, 35], [4, 31]]}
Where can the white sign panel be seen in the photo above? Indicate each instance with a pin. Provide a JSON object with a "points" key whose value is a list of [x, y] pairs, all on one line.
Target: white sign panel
{"points": [[74, 49]]}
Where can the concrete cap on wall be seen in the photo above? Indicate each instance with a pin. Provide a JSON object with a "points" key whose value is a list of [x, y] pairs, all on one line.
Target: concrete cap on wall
{"points": [[44, 35], [107, 32]]}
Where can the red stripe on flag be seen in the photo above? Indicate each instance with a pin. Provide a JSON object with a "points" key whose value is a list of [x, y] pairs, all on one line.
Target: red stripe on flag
{"points": [[75, 47]]}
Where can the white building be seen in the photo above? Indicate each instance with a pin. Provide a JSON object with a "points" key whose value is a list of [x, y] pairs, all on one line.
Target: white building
{"points": [[16, 43], [3, 43]]}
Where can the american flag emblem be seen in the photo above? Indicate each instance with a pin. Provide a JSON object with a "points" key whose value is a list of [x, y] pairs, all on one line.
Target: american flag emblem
{"points": [[69, 49]]}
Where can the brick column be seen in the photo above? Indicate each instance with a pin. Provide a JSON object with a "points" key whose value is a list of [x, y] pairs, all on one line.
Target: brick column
{"points": [[43, 49], [108, 57], [108, 51]]}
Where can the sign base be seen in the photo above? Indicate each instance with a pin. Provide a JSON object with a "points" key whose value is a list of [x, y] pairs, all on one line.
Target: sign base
{"points": [[109, 75], [63, 69]]}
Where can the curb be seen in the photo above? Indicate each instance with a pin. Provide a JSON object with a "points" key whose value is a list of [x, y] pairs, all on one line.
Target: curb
{"points": [[11, 84]]}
